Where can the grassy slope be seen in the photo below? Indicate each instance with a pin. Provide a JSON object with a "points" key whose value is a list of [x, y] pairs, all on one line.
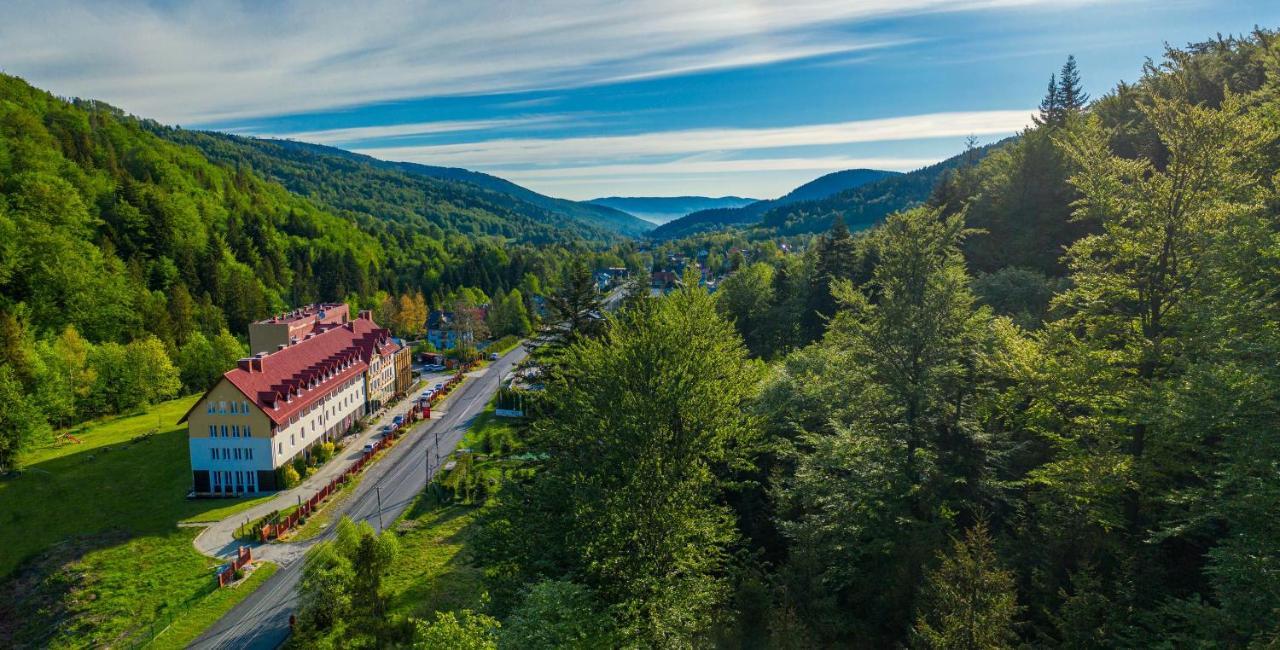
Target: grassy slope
{"points": [[430, 573], [193, 622], [90, 550]]}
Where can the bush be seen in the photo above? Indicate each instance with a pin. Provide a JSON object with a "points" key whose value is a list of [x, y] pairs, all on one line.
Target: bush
{"points": [[289, 477], [323, 452]]}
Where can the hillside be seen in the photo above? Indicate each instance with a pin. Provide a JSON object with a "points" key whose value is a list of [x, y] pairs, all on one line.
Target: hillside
{"points": [[865, 205], [460, 201], [661, 209], [818, 188], [543, 208]]}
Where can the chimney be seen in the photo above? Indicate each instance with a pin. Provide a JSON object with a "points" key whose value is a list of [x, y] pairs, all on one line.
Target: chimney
{"points": [[366, 314], [245, 365], [255, 364]]}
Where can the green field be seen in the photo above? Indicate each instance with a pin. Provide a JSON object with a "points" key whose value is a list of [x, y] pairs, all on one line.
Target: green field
{"points": [[430, 573], [90, 550]]}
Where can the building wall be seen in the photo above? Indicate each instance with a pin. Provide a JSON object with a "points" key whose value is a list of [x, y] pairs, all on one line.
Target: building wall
{"points": [[404, 370], [239, 427], [327, 420], [381, 379], [242, 439]]}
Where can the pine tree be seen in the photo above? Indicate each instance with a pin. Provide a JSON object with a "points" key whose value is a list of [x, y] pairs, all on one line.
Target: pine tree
{"points": [[969, 602], [1051, 105], [1071, 96]]}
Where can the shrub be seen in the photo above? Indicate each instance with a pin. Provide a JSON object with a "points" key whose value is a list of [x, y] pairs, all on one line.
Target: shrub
{"points": [[323, 452], [289, 476]]}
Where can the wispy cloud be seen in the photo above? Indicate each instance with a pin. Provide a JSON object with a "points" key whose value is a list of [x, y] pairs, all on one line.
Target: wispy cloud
{"points": [[226, 59], [398, 131], [562, 152]]}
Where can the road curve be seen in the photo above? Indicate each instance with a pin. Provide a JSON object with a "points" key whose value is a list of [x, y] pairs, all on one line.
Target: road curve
{"points": [[261, 621]]}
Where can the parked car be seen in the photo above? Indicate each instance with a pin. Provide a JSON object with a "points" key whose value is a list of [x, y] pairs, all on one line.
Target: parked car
{"points": [[438, 386], [397, 420], [368, 447], [493, 356]]}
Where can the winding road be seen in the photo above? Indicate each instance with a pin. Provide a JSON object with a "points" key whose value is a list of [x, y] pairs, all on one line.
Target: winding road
{"points": [[261, 621]]}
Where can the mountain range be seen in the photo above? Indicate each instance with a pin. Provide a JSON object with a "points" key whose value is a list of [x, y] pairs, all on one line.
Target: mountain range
{"points": [[819, 188], [661, 209]]}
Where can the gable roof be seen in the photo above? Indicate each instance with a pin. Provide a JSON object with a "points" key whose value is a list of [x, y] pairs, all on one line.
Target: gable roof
{"points": [[287, 381]]}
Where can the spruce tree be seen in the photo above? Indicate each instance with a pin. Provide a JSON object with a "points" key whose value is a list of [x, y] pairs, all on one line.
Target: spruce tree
{"points": [[1071, 96], [1051, 105]]}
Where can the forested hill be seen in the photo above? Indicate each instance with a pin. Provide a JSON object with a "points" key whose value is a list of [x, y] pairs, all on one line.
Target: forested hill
{"points": [[866, 205], [818, 188], [381, 190], [559, 212]]}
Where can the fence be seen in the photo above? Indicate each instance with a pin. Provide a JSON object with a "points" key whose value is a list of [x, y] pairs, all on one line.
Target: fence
{"points": [[243, 556], [276, 529]]}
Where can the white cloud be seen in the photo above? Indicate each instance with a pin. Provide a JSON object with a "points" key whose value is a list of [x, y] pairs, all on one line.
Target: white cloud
{"points": [[227, 59], [395, 131], [582, 151]]}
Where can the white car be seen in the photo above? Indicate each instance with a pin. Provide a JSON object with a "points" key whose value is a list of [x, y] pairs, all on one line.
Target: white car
{"points": [[368, 447]]}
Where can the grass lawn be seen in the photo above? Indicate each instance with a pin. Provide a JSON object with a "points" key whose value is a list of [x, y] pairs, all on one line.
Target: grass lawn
{"points": [[490, 433], [90, 551], [191, 623], [430, 573]]}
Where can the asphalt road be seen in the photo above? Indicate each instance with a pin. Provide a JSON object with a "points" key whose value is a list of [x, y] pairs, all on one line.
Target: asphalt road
{"points": [[261, 621]]}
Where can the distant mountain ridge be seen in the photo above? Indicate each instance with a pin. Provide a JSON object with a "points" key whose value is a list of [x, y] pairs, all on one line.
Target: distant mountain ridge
{"points": [[818, 188], [866, 205], [596, 215], [661, 209]]}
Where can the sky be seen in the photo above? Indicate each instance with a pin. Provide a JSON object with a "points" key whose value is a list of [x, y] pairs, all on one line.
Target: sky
{"points": [[592, 98]]}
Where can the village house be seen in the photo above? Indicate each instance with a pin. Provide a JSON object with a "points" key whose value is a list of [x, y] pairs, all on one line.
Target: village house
{"points": [[309, 381]]}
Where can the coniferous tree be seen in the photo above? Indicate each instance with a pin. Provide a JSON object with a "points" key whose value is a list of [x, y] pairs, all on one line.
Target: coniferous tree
{"points": [[969, 602], [1051, 105], [1071, 95]]}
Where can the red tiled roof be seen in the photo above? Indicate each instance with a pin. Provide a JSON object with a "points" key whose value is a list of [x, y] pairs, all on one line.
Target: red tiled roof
{"points": [[309, 369]]}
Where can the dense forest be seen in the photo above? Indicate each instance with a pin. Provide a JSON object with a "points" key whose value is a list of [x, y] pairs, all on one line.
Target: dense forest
{"points": [[130, 265], [1039, 409]]}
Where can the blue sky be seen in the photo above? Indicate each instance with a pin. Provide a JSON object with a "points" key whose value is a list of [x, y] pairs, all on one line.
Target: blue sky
{"points": [[586, 98]]}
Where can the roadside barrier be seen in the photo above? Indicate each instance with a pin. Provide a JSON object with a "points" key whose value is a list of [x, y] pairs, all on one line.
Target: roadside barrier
{"points": [[284, 525], [228, 575]]}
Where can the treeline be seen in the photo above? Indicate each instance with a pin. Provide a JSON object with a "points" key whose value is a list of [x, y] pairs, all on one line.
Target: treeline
{"points": [[921, 464]]}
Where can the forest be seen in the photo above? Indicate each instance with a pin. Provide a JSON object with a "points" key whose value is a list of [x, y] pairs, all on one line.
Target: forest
{"points": [[1038, 410], [131, 264]]}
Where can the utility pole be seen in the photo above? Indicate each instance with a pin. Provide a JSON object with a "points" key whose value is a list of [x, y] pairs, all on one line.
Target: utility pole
{"points": [[378, 489]]}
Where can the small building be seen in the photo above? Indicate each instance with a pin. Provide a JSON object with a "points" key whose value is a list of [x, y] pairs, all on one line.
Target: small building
{"points": [[442, 330], [288, 328]]}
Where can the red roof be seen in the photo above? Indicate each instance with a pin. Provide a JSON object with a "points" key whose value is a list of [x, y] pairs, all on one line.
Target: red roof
{"points": [[287, 381]]}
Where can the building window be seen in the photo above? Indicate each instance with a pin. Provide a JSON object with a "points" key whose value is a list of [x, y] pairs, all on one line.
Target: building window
{"points": [[213, 431], [235, 431], [222, 407], [291, 442], [233, 408], [248, 453], [211, 405], [246, 431], [224, 431], [213, 453], [245, 410], [280, 448], [237, 453]]}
